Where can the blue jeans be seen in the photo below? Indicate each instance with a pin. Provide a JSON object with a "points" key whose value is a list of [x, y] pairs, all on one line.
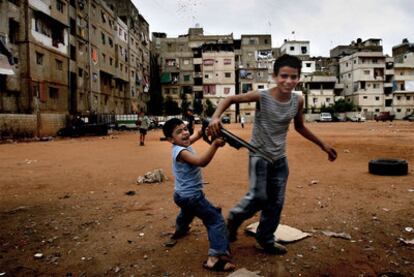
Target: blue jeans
{"points": [[199, 206], [267, 194]]}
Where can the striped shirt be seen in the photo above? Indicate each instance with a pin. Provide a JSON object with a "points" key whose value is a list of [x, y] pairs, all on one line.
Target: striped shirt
{"points": [[271, 124]]}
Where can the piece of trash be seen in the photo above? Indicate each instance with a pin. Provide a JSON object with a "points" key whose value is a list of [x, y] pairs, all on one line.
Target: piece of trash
{"points": [[130, 193], [155, 176], [145, 257], [38, 255], [390, 274], [18, 209], [342, 235], [141, 234], [243, 272], [284, 233], [347, 151], [386, 210], [410, 190], [2, 273], [314, 182], [170, 243], [409, 229]]}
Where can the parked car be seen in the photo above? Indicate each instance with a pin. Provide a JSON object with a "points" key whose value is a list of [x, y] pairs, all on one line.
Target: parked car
{"points": [[225, 119], [411, 118], [357, 118], [384, 116], [325, 117]]}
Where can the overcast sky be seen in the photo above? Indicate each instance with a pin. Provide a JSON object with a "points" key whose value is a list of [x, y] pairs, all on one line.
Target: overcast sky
{"points": [[325, 23]]}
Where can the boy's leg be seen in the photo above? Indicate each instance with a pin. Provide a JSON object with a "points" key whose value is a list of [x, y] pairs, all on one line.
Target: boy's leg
{"points": [[184, 218], [216, 228], [270, 216], [253, 200]]}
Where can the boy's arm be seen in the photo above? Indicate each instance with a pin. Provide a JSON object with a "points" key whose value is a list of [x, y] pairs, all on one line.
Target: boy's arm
{"points": [[196, 136], [305, 132], [251, 96], [201, 160]]}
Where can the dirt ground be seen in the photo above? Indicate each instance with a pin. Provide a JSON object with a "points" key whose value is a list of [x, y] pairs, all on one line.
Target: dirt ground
{"points": [[67, 199]]}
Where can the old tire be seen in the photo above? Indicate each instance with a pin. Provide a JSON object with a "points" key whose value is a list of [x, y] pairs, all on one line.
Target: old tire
{"points": [[388, 167]]}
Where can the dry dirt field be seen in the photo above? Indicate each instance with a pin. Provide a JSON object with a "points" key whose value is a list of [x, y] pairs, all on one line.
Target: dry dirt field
{"points": [[67, 200]]}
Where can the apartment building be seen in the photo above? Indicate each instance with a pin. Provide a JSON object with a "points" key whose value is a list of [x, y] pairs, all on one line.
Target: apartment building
{"points": [[298, 48], [403, 79], [36, 36], [255, 68], [320, 91], [363, 75], [195, 67], [67, 57], [219, 74]]}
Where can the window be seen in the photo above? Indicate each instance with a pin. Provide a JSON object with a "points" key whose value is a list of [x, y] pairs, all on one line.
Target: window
{"points": [[408, 98], [59, 64], [39, 58], [377, 110], [103, 17], [365, 97], [103, 38], [80, 72], [60, 5], [308, 64], [328, 100], [366, 72], [103, 57], [398, 110], [186, 77], [73, 52], [53, 93], [292, 48], [111, 61], [13, 31], [110, 42], [72, 24], [398, 97], [208, 62], [377, 98], [227, 74], [304, 49], [227, 61], [226, 90]]}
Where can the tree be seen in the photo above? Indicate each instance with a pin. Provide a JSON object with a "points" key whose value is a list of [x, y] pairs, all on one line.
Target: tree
{"points": [[342, 106], [197, 106], [210, 108], [171, 107], [156, 102], [184, 103]]}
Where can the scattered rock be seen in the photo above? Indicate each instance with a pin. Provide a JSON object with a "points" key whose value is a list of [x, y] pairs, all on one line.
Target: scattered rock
{"points": [[314, 182], [407, 242], [130, 193], [155, 176], [18, 209], [409, 229], [347, 151], [38, 256], [341, 235], [243, 272]]}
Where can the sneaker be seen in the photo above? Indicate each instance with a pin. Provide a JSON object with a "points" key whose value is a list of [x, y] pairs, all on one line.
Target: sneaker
{"points": [[231, 230], [274, 249]]}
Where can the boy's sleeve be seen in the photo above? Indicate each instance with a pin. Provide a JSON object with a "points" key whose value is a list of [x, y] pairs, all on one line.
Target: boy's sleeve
{"points": [[177, 150]]}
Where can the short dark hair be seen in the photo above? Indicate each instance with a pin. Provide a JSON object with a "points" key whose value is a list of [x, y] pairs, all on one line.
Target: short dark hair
{"points": [[287, 60], [170, 125]]}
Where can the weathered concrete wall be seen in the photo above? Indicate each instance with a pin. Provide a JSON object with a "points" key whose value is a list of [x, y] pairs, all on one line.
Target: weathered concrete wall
{"points": [[25, 125]]}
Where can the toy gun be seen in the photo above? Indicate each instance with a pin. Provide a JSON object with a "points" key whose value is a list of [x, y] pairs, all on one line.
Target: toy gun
{"points": [[233, 141]]}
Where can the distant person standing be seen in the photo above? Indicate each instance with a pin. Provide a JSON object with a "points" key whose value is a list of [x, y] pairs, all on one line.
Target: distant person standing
{"points": [[143, 123], [189, 117], [242, 121]]}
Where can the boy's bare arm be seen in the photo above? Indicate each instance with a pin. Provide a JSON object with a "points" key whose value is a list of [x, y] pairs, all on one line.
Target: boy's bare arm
{"points": [[196, 136], [204, 159], [251, 96], [305, 132]]}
